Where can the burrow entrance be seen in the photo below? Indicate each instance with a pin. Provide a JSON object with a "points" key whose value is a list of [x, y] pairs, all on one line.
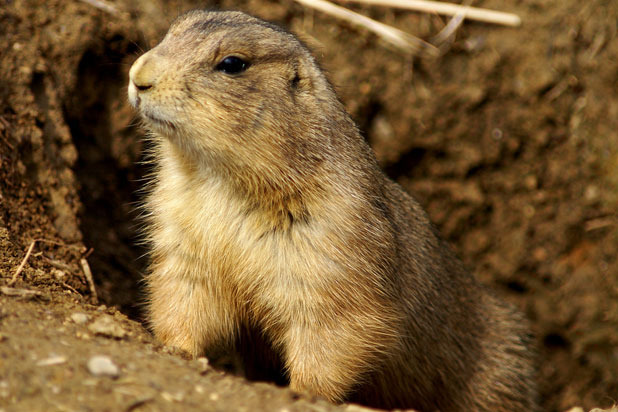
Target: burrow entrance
{"points": [[110, 171]]}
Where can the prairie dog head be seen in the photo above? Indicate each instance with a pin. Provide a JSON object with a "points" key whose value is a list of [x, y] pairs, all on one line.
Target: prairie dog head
{"points": [[233, 91]]}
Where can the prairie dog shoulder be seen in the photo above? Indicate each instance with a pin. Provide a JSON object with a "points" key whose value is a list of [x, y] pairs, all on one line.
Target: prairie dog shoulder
{"points": [[269, 213]]}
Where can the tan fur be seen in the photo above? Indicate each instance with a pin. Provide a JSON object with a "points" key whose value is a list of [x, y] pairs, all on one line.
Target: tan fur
{"points": [[268, 214]]}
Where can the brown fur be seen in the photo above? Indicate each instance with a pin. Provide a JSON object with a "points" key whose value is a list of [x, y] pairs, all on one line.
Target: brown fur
{"points": [[269, 214]]}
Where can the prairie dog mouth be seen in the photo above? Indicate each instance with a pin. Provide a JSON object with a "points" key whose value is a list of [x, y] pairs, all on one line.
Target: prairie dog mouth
{"points": [[149, 117], [145, 110], [134, 99]]}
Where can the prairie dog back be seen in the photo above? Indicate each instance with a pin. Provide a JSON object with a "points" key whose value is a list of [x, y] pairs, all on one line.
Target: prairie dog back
{"points": [[273, 230]]}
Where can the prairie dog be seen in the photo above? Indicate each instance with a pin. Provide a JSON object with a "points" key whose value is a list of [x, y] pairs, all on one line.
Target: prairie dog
{"points": [[269, 217]]}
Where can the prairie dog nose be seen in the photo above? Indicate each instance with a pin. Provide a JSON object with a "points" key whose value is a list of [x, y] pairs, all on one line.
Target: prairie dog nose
{"points": [[142, 77], [144, 72]]}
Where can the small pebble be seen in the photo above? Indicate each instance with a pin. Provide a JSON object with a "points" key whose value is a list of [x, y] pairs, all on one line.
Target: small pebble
{"points": [[358, 408], [105, 325], [80, 318], [203, 365], [173, 397], [102, 366], [531, 182], [592, 193], [58, 274], [4, 389], [83, 336]]}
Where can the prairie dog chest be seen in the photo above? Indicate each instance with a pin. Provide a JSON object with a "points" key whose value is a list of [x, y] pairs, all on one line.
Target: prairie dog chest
{"points": [[197, 218], [209, 236]]}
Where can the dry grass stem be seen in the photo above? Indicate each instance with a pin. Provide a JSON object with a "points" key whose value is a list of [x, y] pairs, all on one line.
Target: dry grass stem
{"points": [[447, 34], [4, 124], [88, 273], [600, 223], [23, 263], [103, 5], [19, 292], [393, 36], [4, 139], [71, 288], [54, 263], [58, 264], [449, 9]]}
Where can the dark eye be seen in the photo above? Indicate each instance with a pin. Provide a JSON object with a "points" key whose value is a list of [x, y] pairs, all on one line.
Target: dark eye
{"points": [[232, 65]]}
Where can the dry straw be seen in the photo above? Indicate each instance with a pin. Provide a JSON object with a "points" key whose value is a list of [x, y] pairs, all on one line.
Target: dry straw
{"points": [[448, 9], [405, 41], [393, 36]]}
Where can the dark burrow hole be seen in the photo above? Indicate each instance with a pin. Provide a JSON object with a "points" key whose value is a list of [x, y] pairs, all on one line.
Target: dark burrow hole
{"points": [[555, 340], [516, 286], [105, 134], [407, 162]]}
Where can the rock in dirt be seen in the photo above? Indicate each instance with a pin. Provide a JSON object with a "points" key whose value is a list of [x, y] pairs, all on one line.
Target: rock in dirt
{"points": [[359, 408], [203, 365], [105, 325], [80, 318], [103, 366]]}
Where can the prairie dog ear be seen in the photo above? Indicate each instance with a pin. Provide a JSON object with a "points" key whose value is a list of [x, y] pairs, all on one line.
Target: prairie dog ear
{"points": [[300, 77]]}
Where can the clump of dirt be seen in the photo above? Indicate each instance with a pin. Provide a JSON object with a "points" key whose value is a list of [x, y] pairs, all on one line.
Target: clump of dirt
{"points": [[510, 141]]}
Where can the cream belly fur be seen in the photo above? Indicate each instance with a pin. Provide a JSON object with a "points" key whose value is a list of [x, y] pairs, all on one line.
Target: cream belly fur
{"points": [[268, 217]]}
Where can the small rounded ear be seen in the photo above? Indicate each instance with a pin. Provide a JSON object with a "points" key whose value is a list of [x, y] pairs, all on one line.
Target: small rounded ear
{"points": [[300, 79]]}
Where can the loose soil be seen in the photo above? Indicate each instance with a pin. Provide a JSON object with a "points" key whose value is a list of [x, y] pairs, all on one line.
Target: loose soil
{"points": [[509, 140]]}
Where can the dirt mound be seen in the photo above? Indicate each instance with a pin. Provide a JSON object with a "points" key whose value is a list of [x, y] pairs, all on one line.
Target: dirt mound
{"points": [[510, 141]]}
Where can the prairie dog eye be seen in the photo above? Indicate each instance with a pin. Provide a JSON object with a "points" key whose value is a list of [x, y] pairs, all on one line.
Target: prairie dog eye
{"points": [[232, 65]]}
